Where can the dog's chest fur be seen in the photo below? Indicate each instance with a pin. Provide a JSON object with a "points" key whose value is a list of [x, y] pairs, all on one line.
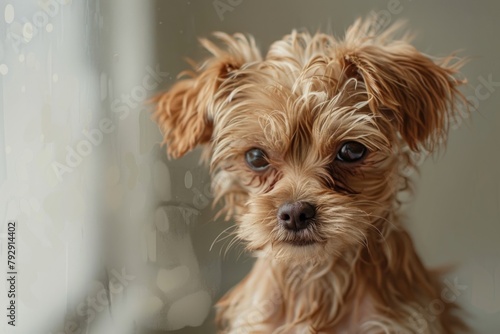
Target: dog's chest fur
{"points": [[303, 299], [356, 293]]}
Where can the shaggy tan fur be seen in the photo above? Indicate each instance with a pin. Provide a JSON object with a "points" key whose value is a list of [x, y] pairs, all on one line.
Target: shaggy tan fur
{"points": [[299, 103]]}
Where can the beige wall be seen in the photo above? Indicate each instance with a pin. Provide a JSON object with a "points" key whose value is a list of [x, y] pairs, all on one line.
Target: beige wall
{"points": [[455, 215]]}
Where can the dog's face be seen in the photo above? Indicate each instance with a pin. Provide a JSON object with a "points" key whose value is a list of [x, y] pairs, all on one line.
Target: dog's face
{"points": [[306, 145], [315, 166]]}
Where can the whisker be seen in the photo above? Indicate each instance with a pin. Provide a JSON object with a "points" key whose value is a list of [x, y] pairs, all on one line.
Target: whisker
{"points": [[217, 237]]}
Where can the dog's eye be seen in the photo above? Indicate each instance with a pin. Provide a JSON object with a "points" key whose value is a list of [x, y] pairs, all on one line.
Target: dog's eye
{"points": [[351, 152], [256, 159]]}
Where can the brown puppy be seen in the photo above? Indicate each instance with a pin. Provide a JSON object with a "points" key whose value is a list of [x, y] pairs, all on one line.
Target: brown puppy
{"points": [[307, 148]]}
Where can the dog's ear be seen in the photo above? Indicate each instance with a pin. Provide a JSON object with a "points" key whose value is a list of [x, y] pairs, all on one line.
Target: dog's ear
{"points": [[184, 112], [419, 95]]}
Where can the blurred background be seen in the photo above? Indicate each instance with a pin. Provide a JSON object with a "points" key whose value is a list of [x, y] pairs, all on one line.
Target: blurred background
{"points": [[114, 238]]}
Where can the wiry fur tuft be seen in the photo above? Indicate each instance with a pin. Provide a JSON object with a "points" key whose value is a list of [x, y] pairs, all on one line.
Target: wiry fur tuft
{"points": [[421, 94], [183, 112], [299, 104]]}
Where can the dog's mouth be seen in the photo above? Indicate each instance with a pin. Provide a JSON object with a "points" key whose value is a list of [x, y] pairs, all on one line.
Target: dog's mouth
{"points": [[302, 239], [309, 236]]}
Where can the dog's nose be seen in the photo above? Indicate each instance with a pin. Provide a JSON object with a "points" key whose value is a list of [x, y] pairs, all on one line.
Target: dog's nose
{"points": [[296, 216]]}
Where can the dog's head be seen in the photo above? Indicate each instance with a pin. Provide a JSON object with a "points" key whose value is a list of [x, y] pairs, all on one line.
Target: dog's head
{"points": [[306, 144]]}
